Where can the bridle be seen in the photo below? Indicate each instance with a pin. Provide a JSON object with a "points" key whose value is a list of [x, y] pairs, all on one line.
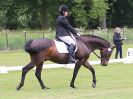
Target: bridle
{"points": [[97, 55], [94, 51]]}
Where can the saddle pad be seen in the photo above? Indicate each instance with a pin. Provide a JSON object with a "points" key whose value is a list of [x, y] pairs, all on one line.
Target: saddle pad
{"points": [[62, 47]]}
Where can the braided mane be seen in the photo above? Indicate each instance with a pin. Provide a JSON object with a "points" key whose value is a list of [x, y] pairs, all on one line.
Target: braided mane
{"points": [[94, 37]]}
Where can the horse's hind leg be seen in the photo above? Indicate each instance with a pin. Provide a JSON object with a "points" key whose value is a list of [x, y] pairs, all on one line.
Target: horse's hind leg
{"points": [[38, 75], [88, 66], [24, 72]]}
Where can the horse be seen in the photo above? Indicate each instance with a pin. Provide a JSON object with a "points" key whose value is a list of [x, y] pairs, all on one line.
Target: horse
{"points": [[44, 49]]}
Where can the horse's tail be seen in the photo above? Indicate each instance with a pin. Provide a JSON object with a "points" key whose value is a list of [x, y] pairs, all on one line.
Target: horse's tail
{"points": [[28, 48]]}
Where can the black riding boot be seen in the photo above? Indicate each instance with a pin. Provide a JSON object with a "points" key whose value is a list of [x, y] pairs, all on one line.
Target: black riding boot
{"points": [[71, 54]]}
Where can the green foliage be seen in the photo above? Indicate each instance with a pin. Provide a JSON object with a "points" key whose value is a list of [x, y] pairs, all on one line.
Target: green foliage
{"points": [[99, 9], [37, 14], [80, 15], [11, 19], [120, 13]]}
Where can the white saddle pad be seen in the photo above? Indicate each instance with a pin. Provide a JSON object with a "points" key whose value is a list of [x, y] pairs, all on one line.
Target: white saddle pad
{"points": [[62, 47]]}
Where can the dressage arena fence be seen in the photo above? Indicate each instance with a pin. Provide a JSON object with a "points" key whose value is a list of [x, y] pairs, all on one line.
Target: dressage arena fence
{"points": [[16, 39]]}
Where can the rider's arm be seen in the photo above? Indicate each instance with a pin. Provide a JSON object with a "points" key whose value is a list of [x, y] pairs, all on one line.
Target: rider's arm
{"points": [[67, 25]]}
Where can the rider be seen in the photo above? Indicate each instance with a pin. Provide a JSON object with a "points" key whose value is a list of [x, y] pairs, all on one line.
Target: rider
{"points": [[64, 32]]}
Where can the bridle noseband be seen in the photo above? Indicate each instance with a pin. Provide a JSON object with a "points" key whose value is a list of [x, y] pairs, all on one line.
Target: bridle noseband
{"points": [[102, 58]]}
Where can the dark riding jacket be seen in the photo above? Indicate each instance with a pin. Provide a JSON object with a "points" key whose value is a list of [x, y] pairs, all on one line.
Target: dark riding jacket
{"points": [[117, 39], [63, 28]]}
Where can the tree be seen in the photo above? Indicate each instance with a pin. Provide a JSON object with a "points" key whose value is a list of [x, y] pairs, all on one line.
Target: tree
{"points": [[9, 10], [84, 13], [11, 19], [79, 15], [98, 10], [120, 13]]}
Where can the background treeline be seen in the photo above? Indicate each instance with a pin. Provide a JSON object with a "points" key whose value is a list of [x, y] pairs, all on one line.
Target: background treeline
{"points": [[41, 14]]}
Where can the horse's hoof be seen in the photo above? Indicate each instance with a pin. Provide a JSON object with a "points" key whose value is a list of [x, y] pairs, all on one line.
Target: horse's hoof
{"points": [[18, 87], [72, 86], [45, 88], [94, 85]]}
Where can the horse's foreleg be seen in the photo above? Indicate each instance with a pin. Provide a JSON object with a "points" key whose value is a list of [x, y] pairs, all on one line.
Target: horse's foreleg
{"points": [[75, 72], [88, 66], [24, 72], [38, 75]]}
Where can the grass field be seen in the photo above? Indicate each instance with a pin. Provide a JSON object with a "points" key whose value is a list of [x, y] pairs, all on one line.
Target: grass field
{"points": [[113, 82]]}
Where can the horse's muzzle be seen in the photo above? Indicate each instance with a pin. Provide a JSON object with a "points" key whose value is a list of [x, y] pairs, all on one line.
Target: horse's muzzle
{"points": [[103, 64]]}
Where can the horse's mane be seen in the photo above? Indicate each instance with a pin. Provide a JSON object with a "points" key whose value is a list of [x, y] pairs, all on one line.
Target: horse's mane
{"points": [[94, 36]]}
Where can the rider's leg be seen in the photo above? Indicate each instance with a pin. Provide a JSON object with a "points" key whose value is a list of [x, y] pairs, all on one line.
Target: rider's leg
{"points": [[71, 42], [71, 53]]}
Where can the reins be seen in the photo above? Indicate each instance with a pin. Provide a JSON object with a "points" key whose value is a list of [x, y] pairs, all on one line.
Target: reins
{"points": [[92, 51], [97, 55]]}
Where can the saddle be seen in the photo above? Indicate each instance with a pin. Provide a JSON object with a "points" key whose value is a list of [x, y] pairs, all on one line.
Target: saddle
{"points": [[62, 47]]}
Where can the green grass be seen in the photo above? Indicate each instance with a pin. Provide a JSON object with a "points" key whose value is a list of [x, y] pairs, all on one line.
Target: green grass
{"points": [[13, 58], [113, 82], [16, 39]]}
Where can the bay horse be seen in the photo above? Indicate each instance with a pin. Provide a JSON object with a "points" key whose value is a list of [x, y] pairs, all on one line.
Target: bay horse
{"points": [[44, 49]]}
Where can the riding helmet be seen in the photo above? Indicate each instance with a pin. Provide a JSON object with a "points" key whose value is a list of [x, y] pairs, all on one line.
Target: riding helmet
{"points": [[63, 8]]}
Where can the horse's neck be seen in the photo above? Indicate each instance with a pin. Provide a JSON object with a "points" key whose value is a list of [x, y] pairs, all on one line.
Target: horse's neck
{"points": [[95, 43]]}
